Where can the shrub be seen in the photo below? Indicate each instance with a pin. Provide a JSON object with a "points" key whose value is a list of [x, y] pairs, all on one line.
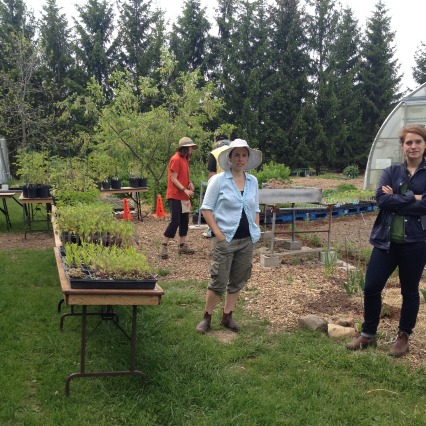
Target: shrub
{"points": [[351, 172], [272, 170]]}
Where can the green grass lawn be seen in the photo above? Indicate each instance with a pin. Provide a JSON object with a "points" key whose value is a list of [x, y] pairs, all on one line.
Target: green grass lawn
{"points": [[17, 217], [257, 379]]}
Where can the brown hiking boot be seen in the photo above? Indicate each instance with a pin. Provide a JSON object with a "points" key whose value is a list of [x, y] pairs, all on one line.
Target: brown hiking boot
{"points": [[204, 325], [228, 322], [164, 252], [184, 249], [400, 346], [361, 342]]}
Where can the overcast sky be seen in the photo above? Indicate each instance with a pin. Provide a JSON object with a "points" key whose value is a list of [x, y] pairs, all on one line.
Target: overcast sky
{"points": [[407, 21]]}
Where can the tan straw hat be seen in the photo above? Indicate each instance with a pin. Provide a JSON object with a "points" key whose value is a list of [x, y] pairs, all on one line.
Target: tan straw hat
{"points": [[185, 141], [255, 156]]}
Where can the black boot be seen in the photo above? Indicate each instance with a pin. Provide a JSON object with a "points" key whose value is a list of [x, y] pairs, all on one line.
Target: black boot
{"points": [[228, 322], [204, 325]]}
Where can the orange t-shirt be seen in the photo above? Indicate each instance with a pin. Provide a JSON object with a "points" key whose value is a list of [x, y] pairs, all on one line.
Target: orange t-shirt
{"points": [[179, 165]]}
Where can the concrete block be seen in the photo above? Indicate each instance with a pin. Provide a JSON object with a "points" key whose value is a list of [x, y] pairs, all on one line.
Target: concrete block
{"points": [[292, 245], [332, 255], [266, 236], [270, 260]]}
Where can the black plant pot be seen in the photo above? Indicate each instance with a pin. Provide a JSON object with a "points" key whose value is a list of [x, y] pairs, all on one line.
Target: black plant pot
{"points": [[134, 182], [106, 184], [66, 237], [115, 183], [43, 191], [31, 191], [99, 185], [143, 182]]}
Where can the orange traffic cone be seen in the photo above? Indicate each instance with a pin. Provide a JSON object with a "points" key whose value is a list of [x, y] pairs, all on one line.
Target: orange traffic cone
{"points": [[126, 210], [159, 209]]}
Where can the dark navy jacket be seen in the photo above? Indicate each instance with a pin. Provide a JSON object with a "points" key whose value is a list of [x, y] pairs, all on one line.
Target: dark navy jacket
{"points": [[404, 205]]}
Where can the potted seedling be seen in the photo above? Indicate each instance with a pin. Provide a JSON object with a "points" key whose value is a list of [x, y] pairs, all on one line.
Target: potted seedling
{"points": [[108, 267], [32, 168]]}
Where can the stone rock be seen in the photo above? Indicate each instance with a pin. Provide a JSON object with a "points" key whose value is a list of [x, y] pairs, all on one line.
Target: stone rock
{"points": [[338, 332], [312, 322]]}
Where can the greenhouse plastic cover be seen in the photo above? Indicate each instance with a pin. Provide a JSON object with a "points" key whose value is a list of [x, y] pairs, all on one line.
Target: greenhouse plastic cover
{"points": [[386, 148]]}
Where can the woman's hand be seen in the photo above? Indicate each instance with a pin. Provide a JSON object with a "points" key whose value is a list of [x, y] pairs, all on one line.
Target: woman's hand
{"points": [[386, 189], [220, 237]]}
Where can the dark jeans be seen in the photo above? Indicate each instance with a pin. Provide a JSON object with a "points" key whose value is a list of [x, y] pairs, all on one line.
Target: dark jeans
{"points": [[410, 260], [177, 220]]}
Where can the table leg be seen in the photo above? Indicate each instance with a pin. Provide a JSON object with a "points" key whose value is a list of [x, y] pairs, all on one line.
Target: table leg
{"points": [[135, 196], [6, 214], [131, 372]]}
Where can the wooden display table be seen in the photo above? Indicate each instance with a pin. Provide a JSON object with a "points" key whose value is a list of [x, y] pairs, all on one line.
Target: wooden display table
{"points": [[33, 209], [134, 194], [105, 298]]}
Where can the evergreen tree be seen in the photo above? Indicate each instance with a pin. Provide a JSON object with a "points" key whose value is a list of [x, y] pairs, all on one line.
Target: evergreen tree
{"points": [[240, 69], [419, 71], [323, 29], [287, 83], [137, 31], [222, 53], [57, 70], [55, 43], [379, 76], [95, 45], [345, 65], [189, 40]]}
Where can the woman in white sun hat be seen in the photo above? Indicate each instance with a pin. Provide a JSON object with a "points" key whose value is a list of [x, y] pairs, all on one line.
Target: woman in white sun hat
{"points": [[231, 209]]}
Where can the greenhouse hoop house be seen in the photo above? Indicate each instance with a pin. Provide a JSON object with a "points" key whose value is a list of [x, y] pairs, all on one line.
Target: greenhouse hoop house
{"points": [[386, 149]]}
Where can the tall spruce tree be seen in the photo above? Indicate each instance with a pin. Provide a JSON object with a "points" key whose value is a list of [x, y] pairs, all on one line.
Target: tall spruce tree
{"points": [[241, 47], [189, 39], [419, 70], [137, 32], [345, 65], [287, 82], [55, 43], [57, 72], [94, 43], [322, 38], [379, 78]]}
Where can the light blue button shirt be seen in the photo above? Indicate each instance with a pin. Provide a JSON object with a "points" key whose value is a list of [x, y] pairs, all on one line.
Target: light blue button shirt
{"points": [[224, 199]]}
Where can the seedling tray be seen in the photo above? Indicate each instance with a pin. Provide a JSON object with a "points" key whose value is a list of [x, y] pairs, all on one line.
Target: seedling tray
{"points": [[95, 284]]}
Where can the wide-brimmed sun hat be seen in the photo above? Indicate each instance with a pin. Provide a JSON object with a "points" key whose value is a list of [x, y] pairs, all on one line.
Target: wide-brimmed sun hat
{"points": [[255, 156], [185, 141]]}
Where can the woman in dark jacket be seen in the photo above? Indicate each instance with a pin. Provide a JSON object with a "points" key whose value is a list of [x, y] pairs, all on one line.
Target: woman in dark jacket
{"points": [[399, 240]]}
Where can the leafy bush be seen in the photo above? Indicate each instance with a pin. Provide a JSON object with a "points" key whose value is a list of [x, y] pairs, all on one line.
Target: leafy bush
{"points": [[351, 172], [272, 170], [343, 187]]}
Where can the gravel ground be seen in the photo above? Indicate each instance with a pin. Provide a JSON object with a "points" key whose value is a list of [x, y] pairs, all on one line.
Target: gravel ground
{"points": [[282, 294]]}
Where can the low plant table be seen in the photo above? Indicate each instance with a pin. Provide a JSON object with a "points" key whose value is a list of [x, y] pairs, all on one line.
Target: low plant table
{"points": [[105, 298], [33, 207], [134, 194]]}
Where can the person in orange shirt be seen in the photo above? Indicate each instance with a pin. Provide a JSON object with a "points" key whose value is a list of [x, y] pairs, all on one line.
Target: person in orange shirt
{"points": [[179, 191]]}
